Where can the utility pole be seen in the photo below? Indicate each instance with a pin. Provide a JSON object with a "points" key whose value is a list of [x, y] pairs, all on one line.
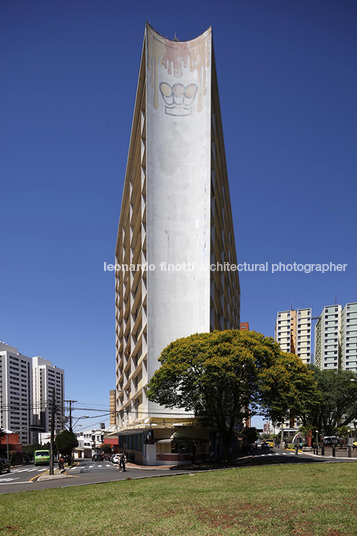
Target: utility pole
{"points": [[70, 402], [53, 411]]}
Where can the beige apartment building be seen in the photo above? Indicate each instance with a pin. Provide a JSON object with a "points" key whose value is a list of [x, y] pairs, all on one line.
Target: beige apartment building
{"points": [[293, 332], [175, 255]]}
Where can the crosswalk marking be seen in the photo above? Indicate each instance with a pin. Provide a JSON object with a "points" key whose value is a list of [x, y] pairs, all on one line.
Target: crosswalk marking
{"points": [[274, 454], [27, 470]]}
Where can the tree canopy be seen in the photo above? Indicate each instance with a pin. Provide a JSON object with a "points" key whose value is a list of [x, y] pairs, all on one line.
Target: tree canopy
{"points": [[224, 376], [338, 401], [65, 442], [289, 386]]}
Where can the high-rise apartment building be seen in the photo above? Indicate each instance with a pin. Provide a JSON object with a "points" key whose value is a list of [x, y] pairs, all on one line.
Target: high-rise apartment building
{"points": [[303, 333], [16, 392], [293, 332], [336, 338], [285, 321], [46, 380], [327, 337], [112, 398], [349, 337], [175, 255]]}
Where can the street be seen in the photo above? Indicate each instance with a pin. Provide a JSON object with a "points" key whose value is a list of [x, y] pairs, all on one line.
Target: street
{"points": [[23, 478]]}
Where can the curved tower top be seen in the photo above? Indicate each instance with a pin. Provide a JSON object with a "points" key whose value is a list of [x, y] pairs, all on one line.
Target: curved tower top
{"points": [[177, 57]]}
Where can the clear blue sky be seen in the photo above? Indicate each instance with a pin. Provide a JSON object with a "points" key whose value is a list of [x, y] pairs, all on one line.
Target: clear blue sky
{"points": [[68, 74]]}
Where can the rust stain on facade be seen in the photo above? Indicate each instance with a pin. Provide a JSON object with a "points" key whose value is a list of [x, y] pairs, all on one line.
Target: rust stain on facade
{"points": [[175, 56]]}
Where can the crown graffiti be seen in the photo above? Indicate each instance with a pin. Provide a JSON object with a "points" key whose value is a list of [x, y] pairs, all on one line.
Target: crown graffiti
{"points": [[178, 98]]}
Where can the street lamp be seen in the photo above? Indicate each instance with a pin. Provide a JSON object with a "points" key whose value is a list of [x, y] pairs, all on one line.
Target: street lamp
{"points": [[79, 418], [10, 432]]}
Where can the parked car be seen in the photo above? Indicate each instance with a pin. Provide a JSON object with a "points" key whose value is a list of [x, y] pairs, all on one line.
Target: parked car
{"points": [[97, 458], [259, 444], [4, 466], [330, 440]]}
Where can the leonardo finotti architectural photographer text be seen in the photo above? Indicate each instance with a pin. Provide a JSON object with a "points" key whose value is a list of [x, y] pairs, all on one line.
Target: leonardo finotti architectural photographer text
{"points": [[227, 267]]}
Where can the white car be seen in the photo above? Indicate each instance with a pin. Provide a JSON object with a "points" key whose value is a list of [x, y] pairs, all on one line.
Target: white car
{"points": [[116, 458]]}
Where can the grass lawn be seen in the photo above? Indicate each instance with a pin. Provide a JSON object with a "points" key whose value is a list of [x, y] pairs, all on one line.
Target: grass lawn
{"points": [[292, 500]]}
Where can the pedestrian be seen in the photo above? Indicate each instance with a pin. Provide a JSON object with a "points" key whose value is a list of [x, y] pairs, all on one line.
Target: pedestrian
{"points": [[118, 466], [122, 462], [296, 449]]}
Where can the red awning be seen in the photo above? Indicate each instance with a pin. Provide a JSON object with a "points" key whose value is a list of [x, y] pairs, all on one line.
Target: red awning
{"points": [[111, 441]]}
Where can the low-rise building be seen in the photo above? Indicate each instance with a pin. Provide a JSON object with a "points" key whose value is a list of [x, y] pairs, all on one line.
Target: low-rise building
{"points": [[89, 442]]}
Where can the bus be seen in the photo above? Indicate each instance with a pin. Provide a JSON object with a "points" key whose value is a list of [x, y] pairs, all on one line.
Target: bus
{"points": [[42, 457]]}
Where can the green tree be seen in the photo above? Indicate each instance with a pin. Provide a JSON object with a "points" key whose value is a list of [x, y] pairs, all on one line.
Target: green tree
{"points": [[30, 449], [107, 449], [338, 403], [250, 435], [2, 433], [289, 387], [224, 376], [65, 442]]}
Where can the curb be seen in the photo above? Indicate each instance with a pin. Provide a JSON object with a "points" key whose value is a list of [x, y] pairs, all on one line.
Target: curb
{"points": [[44, 477], [149, 467]]}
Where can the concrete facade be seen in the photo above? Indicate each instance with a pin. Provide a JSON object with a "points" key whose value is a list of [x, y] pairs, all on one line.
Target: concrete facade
{"points": [[112, 398], [293, 332], [335, 345], [175, 237], [16, 392], [25, 393], [89, 443], [327, 338], [47, 377], [336, 338], [304, 334], [349, 337]]}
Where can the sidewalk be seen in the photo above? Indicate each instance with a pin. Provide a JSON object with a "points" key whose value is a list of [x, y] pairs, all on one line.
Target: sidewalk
{"points": [[340, 454], [149, 467]]}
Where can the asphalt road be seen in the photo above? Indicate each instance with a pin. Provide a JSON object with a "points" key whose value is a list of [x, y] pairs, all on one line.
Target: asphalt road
{"points": [[22, 478]]}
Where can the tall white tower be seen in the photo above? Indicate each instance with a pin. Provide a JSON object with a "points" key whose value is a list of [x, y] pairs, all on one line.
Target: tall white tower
{"points": [[175, 243]]}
